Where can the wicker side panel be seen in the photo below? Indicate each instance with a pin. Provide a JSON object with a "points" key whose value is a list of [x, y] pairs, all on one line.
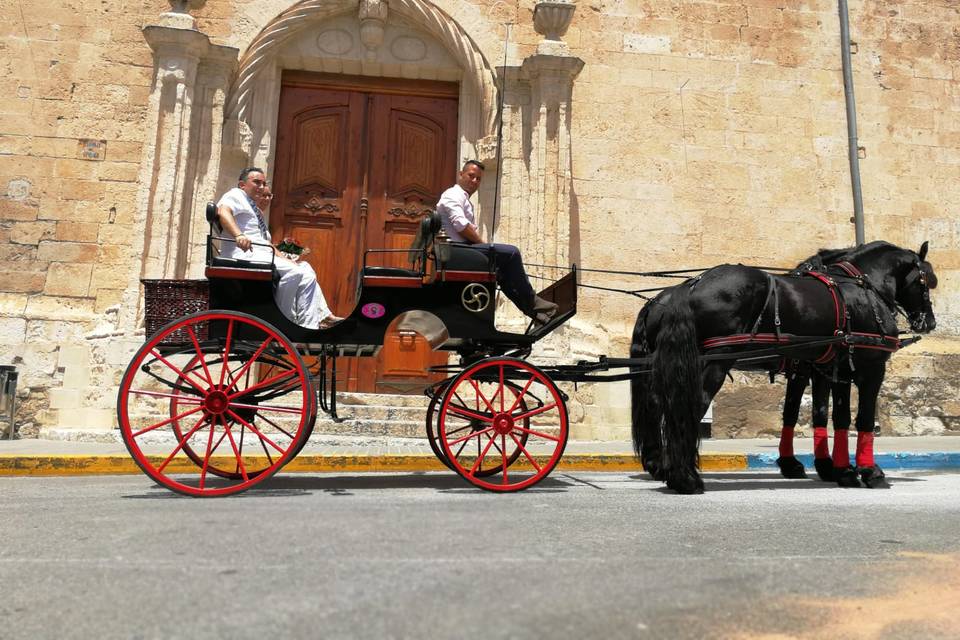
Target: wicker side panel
{"points": [[167, 300]]}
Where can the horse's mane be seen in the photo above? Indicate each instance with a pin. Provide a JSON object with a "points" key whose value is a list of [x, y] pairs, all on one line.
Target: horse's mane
{"points": [[830, 256]]}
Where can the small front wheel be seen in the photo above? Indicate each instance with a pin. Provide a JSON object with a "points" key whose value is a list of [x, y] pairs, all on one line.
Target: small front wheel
{"points": [[502, 424]]}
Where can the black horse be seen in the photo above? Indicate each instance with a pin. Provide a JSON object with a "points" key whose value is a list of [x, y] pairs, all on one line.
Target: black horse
{"points": [[833, 380], [734, 315], [825, 382]]}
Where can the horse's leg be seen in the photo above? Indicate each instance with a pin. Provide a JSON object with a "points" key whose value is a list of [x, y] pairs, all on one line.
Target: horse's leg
{"points": [[844, 474], [868, 386], [790, 467], [821, 412]]}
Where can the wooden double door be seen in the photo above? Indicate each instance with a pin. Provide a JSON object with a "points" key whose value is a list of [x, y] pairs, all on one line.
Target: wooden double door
{"points": [[359, 162]]}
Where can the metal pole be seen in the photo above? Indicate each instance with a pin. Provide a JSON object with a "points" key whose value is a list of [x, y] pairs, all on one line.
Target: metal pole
{"points": [[852, 143], [503, 92]]}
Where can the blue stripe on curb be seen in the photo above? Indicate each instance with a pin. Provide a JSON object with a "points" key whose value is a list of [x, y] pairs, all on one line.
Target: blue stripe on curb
{"points": [[902, 460]]}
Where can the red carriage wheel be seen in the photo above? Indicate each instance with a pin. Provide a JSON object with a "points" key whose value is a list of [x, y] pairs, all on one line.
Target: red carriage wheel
{"points": [[214, 403], [178, 404], [504, 418], [489, 466]]}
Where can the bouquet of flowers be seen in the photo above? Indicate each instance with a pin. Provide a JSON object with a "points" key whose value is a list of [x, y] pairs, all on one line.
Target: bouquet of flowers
{"points": [[291, 249]]}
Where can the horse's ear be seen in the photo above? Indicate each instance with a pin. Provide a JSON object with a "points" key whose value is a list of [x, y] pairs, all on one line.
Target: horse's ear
{"points": [[923, 250]]}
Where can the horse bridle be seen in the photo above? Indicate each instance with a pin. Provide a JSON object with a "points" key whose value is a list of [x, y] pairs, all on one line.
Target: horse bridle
{"points": [[893, 305], [918, 274]]}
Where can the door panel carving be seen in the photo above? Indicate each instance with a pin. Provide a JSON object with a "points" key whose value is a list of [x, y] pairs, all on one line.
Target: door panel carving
{"points": [[358, 163]]}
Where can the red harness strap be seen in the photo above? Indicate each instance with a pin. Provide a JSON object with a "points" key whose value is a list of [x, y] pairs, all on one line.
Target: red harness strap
{"points": [[782, 338]]}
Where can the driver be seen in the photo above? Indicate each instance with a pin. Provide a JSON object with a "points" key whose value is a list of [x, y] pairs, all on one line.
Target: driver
{"points": [[459, 221]]}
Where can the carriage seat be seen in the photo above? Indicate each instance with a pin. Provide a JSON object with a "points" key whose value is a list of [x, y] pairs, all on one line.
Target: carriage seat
{"points": [[235, 268], [390, 272]]}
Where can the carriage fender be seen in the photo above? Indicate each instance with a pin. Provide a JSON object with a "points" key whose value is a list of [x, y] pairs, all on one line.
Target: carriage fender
{"points": [[427, 325]]}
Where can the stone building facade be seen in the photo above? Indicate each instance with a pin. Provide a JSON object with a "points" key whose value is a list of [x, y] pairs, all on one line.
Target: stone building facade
{"points": [[646, 135]]}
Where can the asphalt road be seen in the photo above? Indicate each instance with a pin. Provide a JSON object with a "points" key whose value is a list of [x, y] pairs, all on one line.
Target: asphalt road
{"points": [[425, 556]]}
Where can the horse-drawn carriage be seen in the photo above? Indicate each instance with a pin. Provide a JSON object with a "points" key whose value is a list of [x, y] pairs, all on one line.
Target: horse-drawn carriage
{"points": [[226, 392], [218, 400]]}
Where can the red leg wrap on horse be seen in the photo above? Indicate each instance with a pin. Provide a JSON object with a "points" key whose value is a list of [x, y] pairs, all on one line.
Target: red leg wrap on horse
{"points": [[865, 449], [841, 449], [820, 448], [786, 442]]}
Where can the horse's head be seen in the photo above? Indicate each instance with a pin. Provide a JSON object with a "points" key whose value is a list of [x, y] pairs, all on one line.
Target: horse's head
{"points": [[902, 277], [914, 283]]}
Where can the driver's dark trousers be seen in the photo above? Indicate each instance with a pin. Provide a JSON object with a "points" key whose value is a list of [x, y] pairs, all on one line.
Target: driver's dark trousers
{"points": [[511, 276]]}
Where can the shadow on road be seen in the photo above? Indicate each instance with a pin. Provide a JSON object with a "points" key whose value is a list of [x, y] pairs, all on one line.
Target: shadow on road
{"points": [[344, 485]]}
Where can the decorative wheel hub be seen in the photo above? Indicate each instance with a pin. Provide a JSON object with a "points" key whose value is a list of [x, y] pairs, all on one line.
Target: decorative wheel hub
{"points": [[503, 424], [216, 402]]}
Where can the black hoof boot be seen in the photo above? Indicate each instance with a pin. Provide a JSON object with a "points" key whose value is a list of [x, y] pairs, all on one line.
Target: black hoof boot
{"points": [[847, 478], [824, 468], [791, 468], [873, 477], [685, 483], [654, 469]]}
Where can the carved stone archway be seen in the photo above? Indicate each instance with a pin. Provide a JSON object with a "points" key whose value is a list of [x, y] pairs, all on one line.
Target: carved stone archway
{"points": [[250, 111]]}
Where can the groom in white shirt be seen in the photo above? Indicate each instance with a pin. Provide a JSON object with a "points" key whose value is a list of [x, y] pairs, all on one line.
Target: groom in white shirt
{"points": [[298, 294]]}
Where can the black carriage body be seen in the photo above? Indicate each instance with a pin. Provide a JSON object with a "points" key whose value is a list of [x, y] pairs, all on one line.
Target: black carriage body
{"points": [[454, 310]]}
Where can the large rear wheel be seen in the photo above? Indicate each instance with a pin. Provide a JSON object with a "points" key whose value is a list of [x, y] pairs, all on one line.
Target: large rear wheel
{"points": [[215, 403], [502, 424]]}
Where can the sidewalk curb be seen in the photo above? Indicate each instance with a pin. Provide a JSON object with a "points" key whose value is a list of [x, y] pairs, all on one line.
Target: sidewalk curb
{"points": [[903, 460], [123, 464]]}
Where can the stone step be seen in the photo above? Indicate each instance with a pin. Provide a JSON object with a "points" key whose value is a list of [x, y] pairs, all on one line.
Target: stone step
{"points": [[382, 400], [392, 428]]}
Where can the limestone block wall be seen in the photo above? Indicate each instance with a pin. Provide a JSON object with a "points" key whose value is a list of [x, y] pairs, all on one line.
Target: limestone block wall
{"points": [[702, 131], [75, 77]]}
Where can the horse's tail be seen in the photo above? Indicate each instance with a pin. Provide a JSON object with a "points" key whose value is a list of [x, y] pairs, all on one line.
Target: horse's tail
{"points": [[645, 419], [677, 389]]}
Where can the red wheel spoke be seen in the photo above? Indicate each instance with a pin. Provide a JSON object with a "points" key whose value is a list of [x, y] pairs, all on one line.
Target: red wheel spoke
{"points": [[159, 394], [480, 395], [500, 390], [525, 453], [480, 458], [256, 431], [503, 452], [166, 422], [226, 351], [466, 413], [263, 383], [534, 412], [206, 457], [516, 401], [179, 446], [233, 445], [253, 358], [475, 434], [267, 451], [180, 373], [200, 355], [264, 407], [275, 426], [536, 433]]}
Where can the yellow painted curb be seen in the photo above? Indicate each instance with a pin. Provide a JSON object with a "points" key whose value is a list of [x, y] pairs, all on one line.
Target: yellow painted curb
{"points": [[121, 464]]}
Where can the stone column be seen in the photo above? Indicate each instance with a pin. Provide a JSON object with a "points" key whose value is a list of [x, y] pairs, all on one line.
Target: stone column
{"points": [[191, 76], [190, 72], [549, 76]]}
